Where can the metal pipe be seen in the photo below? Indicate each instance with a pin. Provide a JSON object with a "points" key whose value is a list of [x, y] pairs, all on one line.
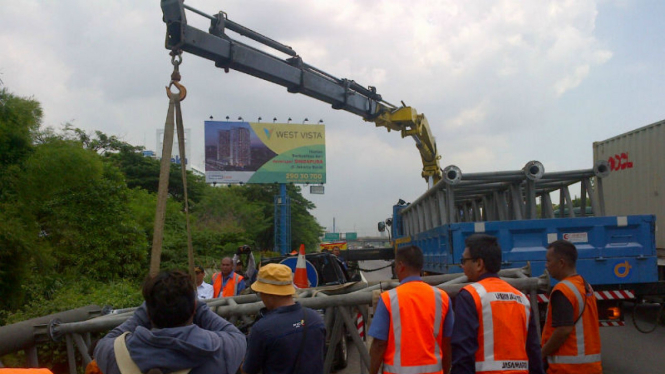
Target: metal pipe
{"points": [[83, 349], [33, 359], [353, 331], [357, 340], [533, 296], [356, 298], [242, 30], [22, 335], [332, 344], [71, 359], [576, 174]]}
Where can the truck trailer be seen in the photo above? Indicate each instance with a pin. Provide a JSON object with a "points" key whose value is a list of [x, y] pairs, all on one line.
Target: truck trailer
{"points": [[637, 183], [617, 254]]}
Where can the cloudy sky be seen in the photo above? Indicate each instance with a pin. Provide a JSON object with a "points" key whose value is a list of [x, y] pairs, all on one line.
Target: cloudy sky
{"points": [[501, 82]]}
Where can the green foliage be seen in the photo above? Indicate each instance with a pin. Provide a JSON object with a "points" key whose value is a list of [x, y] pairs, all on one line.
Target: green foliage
{"points": [[70, 293], [304, 227], [19, 119], [17, 249], [78, 210], [56, 168]]}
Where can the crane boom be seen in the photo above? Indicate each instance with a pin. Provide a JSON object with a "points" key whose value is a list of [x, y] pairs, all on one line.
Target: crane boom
{"points": [[297, 76]]}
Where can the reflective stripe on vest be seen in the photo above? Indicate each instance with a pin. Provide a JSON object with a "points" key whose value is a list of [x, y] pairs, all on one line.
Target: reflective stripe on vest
{"points": [[582, 357], [397, 367], [486, 299]]}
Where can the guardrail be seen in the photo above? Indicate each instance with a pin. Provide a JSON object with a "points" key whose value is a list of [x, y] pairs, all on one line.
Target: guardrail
{"points": [[76, 326]]}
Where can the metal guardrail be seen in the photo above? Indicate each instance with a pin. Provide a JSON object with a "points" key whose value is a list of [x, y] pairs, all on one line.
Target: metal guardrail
{"points": [[339, 302]]}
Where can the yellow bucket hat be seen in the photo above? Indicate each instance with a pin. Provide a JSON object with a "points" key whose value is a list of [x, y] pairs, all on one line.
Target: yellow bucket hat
{"points": [[274, 279]]}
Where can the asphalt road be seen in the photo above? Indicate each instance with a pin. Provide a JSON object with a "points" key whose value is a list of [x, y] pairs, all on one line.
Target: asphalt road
{"points": [[625, 350]]}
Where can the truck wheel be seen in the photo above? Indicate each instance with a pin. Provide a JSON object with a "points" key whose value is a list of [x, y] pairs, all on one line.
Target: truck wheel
{"points": [[342, 353]]}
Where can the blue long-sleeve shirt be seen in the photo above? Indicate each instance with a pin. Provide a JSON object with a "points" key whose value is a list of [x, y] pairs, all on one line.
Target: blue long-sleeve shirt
{"points": [[464, 341], [209, 345]]}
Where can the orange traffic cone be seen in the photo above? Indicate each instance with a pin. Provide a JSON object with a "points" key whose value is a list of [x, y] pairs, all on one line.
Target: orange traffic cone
{"points": [[300, 278]]}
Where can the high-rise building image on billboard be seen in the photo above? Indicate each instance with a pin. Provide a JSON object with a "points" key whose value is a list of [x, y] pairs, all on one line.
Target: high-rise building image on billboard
{"points": [[240, 147], [223, 147]]}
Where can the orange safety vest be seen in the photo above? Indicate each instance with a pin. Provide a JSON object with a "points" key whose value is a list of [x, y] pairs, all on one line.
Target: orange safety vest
{"points": [[230, 288], [503, 314], [580, 353], [414, 342]]}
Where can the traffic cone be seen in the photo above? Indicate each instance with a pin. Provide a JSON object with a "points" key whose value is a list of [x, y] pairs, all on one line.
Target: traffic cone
{"points": [[300, 277]]}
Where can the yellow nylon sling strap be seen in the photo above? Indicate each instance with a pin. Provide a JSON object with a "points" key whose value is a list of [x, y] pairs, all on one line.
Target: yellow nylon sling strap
{"points": [[165, 167]]}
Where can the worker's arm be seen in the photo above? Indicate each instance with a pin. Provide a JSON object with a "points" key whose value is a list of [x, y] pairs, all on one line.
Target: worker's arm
{"points": [[464, 342], [562, 319], [378, 330], [557, 339], [533, 351], [448, 325], [446, 360], [376, 352]]}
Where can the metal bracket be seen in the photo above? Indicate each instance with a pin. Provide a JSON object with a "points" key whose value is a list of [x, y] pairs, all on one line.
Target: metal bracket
{"points": [[347, 84], [297, 63]]}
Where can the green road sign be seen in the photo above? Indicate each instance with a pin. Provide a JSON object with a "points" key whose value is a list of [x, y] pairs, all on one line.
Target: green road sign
{"points": [[351, 236], [331, 236]]}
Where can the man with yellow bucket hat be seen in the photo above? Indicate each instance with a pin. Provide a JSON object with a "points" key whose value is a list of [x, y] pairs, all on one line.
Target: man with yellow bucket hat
{"points": [[288, 338]]}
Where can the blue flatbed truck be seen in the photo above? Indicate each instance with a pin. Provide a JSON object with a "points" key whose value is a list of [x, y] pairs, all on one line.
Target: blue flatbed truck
{"points": [[617, 255]]}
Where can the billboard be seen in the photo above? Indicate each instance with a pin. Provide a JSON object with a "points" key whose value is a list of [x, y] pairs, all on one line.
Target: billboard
{"points": [[248, 152], [329, 246]]}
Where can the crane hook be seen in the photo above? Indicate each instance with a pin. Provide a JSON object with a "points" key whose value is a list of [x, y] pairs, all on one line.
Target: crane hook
{"points": [[182, 91]]}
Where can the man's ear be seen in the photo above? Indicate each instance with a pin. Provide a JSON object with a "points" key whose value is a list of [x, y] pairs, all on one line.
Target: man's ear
{"points": [[481, 264]]}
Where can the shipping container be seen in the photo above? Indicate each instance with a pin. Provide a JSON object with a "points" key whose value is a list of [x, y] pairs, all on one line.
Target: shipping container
{"points": [[636, 184]]}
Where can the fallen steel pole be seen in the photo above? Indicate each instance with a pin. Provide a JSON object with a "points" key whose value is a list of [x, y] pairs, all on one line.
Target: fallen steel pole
{"points": [[106, 323], [23, 335]]}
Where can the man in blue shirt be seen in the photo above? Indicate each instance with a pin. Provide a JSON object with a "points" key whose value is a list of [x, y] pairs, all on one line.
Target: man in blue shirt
{"points": [[427, 350], [288, 339]]}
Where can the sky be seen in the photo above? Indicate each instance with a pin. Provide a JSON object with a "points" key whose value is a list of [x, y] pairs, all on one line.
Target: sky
{"points": [[500, 82]]}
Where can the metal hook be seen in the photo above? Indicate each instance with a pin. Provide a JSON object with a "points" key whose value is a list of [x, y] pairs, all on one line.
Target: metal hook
{"points": [[182, 91]]}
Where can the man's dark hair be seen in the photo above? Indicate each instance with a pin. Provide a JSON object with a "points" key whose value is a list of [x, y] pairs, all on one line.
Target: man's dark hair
{"points": [[566, 250], [411, 256], [485, 247], [170, 297]]}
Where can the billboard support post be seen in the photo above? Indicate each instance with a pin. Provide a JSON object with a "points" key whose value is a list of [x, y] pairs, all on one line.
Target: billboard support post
{"points": [[282, 220]]}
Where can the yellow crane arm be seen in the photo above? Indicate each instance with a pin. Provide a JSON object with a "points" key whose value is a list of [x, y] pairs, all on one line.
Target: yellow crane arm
{"points": [[407, 120]]}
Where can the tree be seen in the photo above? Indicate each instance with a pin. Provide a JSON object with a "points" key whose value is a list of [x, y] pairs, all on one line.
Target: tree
{"points": [[20, 118], [80, 205], [304, 228]]}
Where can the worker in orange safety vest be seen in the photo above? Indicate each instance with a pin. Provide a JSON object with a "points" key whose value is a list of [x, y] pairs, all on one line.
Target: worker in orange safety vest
{"points": [[495, 331], [227, 283], [571, 336], [412, 323]]}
